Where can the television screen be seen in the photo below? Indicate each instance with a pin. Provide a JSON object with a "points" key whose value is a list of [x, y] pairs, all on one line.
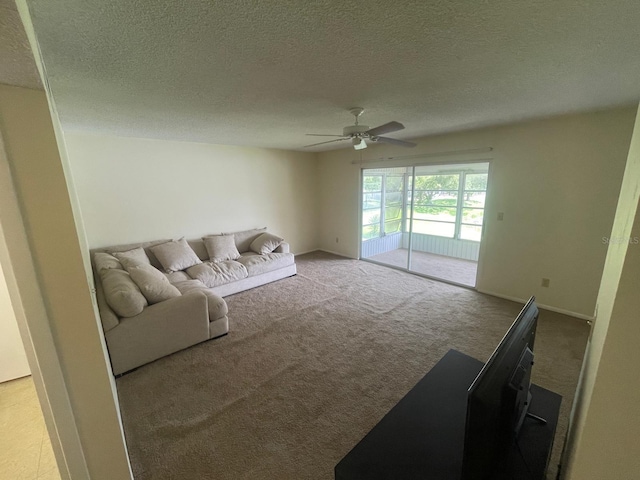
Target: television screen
{"points": [[499, 397]]}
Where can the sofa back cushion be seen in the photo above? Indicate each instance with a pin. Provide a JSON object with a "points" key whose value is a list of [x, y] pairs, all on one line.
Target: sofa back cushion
{"points": [[265, 243], [136, 254], [146, 246], [103, 260], [152, 283], [175, 255], [121, 292], [221, 248], [243, 239], [198, 247]]}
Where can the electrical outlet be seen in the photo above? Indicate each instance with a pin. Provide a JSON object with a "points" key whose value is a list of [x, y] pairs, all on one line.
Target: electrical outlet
{"points": [[500, 216], [337, 240], [546, 282]]}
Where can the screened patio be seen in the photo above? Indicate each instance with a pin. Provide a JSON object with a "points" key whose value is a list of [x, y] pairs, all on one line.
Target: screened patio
{"points": [[425, 219]]}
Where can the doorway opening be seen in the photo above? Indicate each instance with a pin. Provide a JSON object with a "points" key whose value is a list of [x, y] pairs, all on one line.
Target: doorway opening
{"points": [[425, 219]]}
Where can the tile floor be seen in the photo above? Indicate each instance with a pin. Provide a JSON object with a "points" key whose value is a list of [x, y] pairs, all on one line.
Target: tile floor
{"points": [[25, 448]]}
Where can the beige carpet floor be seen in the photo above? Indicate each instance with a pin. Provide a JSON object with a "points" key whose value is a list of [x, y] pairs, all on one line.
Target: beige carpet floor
{"points": [[311, 364]]}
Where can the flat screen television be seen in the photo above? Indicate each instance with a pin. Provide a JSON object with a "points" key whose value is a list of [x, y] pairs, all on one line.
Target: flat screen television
{"points": [[499, 398]]}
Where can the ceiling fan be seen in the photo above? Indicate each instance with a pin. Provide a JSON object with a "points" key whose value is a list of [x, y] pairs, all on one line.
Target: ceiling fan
{"points": [[359, 133]]}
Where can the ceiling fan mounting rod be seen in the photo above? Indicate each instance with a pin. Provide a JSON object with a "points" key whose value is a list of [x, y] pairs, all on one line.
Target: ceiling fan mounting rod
{"points": [[356, 112]]}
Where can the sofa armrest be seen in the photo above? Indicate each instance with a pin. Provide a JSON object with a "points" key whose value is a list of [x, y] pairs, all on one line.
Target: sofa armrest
{"points": [[282, 248], [161, 329], [216, 305], [175, 307]]}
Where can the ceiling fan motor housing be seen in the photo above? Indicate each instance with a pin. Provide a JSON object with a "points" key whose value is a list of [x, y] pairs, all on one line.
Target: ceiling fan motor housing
{"points": [[354, 130]]}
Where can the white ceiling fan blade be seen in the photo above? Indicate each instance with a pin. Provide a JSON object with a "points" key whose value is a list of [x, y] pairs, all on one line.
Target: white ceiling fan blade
{"points": [[329, 141], [386, 128], [394, 141]]}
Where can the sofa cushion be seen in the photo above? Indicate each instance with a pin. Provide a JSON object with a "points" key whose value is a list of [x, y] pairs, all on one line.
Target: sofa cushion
{"points": [[108, 317], [121, 292], [257, 264], [265, 243], [136, 254], [152, 283], [175, 255], [220, 273], [175, 277], [243, 239], [186, 286], [106, 261], [146, 246], [198, 247], [221, 247]]}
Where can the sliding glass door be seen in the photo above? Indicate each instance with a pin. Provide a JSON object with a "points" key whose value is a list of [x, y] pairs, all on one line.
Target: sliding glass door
{"points": [[426, 219], [385, 194]]}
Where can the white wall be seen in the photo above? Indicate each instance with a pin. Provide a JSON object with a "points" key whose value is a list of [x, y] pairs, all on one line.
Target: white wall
{"points": [[557, 182], [603, 440], [133, 189]]}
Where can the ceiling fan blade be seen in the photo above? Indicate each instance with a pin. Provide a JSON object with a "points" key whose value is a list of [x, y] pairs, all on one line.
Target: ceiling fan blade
{"points": [[322, 135], [394, 141], [329, 141], [386, 128]]}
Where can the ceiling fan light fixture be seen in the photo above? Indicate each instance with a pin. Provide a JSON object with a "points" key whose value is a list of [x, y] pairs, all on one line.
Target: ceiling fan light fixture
{"points": [[358, 143]]}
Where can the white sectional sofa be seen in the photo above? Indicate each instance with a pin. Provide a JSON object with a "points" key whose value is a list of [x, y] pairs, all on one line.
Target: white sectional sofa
{"points": [[156, 298]]}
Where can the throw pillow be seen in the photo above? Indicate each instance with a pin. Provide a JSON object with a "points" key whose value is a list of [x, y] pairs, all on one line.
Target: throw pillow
{"points": [[130, 262], [136, 254], [106, 261], [121, 292], [175, 255], [221, 247], [152, 283], [266, 243], [243, 239]]}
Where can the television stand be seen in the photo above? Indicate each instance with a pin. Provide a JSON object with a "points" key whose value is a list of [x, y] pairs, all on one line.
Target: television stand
{"points": [[422, 437]]}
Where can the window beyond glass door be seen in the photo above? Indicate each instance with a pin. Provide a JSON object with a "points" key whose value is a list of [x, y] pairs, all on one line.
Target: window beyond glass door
{"points": [[473, 198], [435, 204], [449, 205], [382, 203], [371, 206]]}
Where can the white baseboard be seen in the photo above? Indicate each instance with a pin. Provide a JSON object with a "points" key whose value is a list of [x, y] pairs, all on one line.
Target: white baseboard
{"points": [[326, 251], [305, 252], [581, 316]]}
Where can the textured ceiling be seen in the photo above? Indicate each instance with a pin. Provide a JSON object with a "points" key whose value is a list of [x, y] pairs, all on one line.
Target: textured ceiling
{"points": [[17, 66], [264, 73]]}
